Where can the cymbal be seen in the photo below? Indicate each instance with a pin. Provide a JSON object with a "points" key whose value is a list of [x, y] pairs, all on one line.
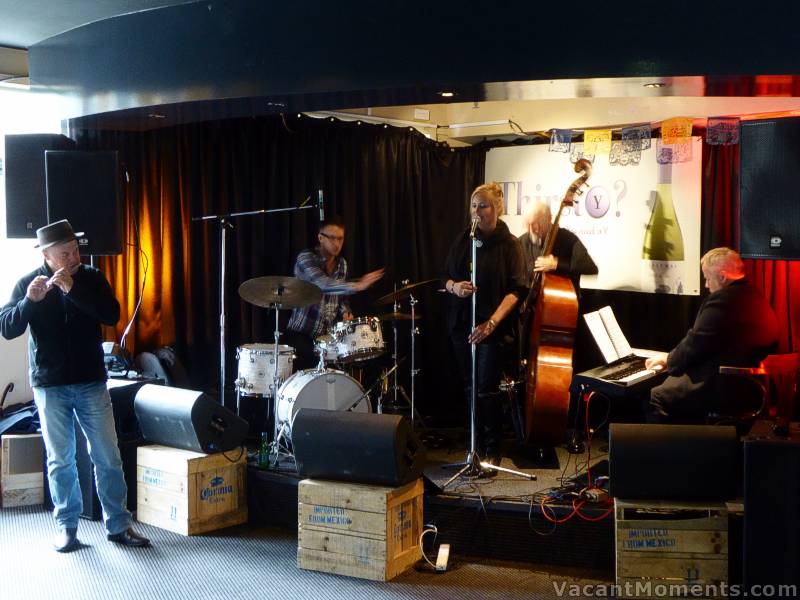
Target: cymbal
{"points": [[280, 291], [398, 316], [402, 292]]}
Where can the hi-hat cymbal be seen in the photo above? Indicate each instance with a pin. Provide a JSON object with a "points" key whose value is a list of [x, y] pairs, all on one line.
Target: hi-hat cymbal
{"points": [[280, 291], [398, 316], [402, 292]]}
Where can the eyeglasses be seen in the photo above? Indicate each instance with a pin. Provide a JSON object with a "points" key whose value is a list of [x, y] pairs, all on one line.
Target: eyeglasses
{"points": [[335, 238]]}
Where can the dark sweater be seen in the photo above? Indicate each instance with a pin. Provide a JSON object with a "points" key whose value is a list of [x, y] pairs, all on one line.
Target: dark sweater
{"points": [[573, 258], [66, 339], [500, 272]]}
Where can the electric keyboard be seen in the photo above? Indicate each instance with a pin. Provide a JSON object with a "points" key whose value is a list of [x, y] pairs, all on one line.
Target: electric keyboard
{"points": [[623, 377]]}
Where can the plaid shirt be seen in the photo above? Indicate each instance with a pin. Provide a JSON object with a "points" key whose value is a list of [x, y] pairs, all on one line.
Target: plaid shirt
{"points": [[317, 319]]}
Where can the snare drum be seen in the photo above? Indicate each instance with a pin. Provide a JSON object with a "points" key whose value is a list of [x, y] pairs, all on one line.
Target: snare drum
{"points": [[359, 339], [257, 367], [327, 390]]}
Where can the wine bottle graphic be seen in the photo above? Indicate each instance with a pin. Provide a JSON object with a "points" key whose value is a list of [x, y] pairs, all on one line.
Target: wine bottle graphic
{"points": [[662, 249]]}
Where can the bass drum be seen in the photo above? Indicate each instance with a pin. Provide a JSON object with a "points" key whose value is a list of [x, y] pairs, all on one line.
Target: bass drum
{"points": [[327, 390]]}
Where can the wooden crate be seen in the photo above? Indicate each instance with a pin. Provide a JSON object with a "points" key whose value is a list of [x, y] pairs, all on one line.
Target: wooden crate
{"points": [[365, 531], [189, 492], [21, 473], [663, 544]]}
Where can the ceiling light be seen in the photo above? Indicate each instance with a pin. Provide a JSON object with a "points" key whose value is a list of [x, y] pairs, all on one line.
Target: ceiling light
{"points": [[656, 84], [447, 94]]}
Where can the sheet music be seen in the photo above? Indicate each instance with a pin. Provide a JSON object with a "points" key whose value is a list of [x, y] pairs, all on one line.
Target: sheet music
{"points": [[598, 329], [621, 344]]}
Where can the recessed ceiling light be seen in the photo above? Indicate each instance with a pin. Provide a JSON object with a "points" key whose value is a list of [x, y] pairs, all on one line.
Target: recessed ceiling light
{"points": [[656, 84], [156, 116], [447, 94]]}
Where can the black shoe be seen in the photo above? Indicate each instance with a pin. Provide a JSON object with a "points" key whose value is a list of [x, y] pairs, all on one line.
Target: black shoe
{"points": [[128, 538], [66, 540]]}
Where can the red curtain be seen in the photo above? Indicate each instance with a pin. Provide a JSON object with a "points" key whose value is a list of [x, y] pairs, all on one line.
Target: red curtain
{"points": [[779, 279]]}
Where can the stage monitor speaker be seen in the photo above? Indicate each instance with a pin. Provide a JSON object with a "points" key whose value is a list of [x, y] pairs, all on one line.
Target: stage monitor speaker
{"points": [[771, 507], [187, 419], [84, 187], [26, 191], [357, 447], [769, 208], [673, 462]]}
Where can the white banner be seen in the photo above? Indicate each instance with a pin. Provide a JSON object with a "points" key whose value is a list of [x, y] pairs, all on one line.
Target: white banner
{"points": [[640, 223]]}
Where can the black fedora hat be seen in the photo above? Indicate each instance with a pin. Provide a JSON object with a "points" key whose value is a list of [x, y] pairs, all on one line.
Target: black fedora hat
{"points": [[55, 233]]}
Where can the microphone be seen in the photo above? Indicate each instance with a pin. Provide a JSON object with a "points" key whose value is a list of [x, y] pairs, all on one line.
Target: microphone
{"points": [[475, 222], [321, 205]]}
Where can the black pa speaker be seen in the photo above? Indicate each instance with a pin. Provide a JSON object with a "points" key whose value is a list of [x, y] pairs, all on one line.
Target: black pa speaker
{"points": [[357, 447], [84, 187], [26, 192], [187, 419], [673, 462], [769, 216], [771, 507]]}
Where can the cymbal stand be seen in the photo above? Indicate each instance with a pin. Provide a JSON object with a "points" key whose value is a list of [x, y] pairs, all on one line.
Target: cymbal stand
{"points": [[413, 302], [274, 453], [397, 387]]}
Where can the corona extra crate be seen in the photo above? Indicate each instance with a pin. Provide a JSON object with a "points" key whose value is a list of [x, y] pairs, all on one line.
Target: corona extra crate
{"points": [[21, 473], [189, 492], [670, 548], [359, 530]]}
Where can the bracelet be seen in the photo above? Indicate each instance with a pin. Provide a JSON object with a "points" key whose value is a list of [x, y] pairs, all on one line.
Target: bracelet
{"points": [[494, 325]]}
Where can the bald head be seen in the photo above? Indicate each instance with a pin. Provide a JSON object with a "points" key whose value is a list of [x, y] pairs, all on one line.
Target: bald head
{"points": [[538, 219]]}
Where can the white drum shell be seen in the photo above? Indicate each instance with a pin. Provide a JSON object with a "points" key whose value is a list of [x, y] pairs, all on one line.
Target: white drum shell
{"points": [[257, 367], [326, 390], [358, 339]]}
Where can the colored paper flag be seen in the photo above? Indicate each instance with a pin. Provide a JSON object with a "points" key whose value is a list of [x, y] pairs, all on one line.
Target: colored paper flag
{"points": [[677, 129], [636, 138], [576, 153], [620, 157], [722, 131], [560, 140], [678, 152], [597, 141]]}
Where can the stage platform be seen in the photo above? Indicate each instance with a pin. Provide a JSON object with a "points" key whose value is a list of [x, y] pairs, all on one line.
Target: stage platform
{"points": [[498, 517]]}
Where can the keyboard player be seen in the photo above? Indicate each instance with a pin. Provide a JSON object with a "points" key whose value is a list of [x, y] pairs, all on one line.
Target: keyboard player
{"points": [[735, 326]]}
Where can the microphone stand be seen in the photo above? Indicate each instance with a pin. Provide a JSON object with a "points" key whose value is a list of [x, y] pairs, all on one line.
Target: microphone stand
{"points": [[473, 465], [225, 224]]}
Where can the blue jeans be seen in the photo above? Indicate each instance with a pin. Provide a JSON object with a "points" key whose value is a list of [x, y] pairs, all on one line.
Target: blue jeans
{"points": [[90, 403]]}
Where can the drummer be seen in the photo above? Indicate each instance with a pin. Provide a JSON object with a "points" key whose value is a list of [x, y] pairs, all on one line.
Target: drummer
{"points": [[326, 268]]}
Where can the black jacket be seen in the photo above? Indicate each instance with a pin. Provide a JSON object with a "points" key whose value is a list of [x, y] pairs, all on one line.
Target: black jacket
{"points": [[573, 258], [735, 326], [66, 339], [501, 271]]}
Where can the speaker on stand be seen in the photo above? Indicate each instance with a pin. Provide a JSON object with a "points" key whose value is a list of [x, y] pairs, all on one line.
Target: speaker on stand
{"points": [[26, 191], [84, 188]]}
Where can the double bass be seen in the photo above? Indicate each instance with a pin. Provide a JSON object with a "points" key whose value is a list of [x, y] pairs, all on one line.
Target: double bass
{"points": [[549, 316]]}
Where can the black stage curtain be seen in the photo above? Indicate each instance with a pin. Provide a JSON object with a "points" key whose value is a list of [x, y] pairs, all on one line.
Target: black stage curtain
{"points": [[403, 198]]}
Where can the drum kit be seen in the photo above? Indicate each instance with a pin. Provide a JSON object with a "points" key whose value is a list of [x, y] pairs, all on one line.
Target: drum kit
{"points": [[266, 370]]}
